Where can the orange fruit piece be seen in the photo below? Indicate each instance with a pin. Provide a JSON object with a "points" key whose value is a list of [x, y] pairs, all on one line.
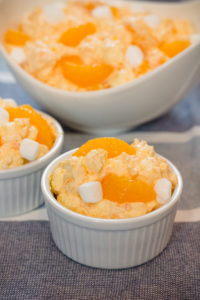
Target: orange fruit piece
{"points": [[115, 11], [45, 134], [174, 48], [112, 145], [121, 189], [16, 38], [86, 75], [74, 35], [143, 68]]}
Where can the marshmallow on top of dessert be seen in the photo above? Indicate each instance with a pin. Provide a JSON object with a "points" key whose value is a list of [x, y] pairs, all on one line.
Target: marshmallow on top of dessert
{"points": [[25, 134]]}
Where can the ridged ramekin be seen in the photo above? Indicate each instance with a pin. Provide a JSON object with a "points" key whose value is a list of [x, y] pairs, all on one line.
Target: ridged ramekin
{"points": [[20, 187], [105, 243]]}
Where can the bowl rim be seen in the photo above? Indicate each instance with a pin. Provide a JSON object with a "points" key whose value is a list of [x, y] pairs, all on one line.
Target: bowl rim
{"points": [[103, 92], [105, 223], [41, 162]]}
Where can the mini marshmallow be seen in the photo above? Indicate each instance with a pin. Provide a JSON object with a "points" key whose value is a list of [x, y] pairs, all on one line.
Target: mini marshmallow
{"points": [[195, 38], [163, 189], [152, 21], [54, 12], [18, 55], [29, 149], [91, 192], [10, 102], [4, 116], [134, 56], [102, 11]]}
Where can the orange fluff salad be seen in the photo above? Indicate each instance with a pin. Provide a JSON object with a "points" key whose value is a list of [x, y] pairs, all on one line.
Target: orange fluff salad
{"points": [[110, 179], [84, 45], [25, 134]]}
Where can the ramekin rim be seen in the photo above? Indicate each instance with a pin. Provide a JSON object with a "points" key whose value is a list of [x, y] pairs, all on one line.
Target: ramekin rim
{"points": [[91, 220], [27, 167]]}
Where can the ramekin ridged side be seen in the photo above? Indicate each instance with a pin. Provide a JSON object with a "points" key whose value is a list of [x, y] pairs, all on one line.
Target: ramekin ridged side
{"points": [[110, 244], [20, 187]]}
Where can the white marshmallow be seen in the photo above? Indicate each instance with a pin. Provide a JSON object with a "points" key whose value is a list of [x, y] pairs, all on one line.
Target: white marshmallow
{"points": [[102, 11], [195, 38], [91, 192], [134, 56], [163, 189], [152, 21], [29, 149], [10, 102], [54, 12], [4, 116], [18, 55]]}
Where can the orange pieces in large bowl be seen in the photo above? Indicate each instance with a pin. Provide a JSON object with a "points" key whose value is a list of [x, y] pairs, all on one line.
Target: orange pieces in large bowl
{"points": [[174, 48], [45, 134], [16, 38], [74, 35], [86, 75], [121, 189], [112, 145]]}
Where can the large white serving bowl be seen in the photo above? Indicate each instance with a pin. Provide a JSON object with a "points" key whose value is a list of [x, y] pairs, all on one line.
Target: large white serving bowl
{"points": [[109, 243], [121, 107]]}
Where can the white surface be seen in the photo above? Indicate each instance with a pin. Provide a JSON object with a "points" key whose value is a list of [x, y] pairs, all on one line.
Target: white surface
{"points": [[122, 107], [29, 149], [91, 192], [4, 116]]}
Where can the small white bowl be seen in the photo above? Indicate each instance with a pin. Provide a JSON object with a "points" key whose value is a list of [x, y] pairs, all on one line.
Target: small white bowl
{"points": [[20, 187], [122, 107], [106, 243]]}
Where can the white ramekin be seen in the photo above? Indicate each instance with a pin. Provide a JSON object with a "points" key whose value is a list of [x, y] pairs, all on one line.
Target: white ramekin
{"points": [[110, 244], [20, 187]]}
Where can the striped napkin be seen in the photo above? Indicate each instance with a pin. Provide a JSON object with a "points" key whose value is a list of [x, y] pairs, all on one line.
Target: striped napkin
{"points": [[31, 267]]}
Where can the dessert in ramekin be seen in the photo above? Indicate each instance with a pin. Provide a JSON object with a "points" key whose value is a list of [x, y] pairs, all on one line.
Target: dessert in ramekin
{"points": [[29, 141], [114, 238]]}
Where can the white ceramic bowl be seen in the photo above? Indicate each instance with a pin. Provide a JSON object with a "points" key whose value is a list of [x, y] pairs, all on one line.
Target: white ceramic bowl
{"points": [[121, 107], [105, 243], [20, 187]]}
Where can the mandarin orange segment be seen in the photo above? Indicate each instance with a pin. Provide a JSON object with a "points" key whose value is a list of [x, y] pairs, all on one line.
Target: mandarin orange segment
{"points": [[121, 189], [16, 38], [86, 75], [112, 145], [115, 11], [45, 134], [174, 48], [74, 35]]}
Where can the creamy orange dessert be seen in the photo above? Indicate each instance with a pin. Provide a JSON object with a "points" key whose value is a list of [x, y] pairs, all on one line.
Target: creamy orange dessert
{"points": [[25, 134], [108, 178], [84, 45]]}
